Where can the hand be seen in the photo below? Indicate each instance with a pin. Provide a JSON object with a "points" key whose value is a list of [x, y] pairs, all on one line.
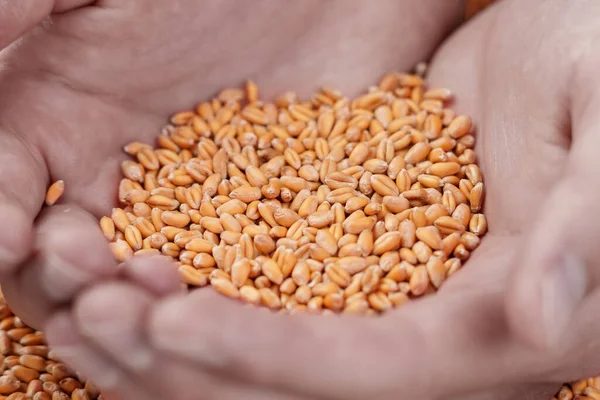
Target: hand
{"points": [[143, 344], [527, 75], [75, 90], [536, 94]]}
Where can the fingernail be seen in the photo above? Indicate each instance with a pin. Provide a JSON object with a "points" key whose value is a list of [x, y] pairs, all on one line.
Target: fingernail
{"points": [[563, 289], [199, 349], [168, 333]]}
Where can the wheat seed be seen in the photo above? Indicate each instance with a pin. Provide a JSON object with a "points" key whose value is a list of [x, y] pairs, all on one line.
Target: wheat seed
{"points": [[331, 204], [55, 192]]}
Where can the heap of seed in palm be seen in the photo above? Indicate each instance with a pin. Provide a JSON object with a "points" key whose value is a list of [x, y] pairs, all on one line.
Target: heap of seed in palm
{"points": [[327, 204], [339, 204]]}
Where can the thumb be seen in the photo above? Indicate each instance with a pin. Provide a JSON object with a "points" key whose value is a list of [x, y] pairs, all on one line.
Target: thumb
{"points": [[23, 179], [458, 338], [18, 17], [282, 352], [554, 290]]}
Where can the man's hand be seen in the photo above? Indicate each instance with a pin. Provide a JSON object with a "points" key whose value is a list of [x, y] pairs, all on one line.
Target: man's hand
{"points": [[96, 75], [147, 345], [499, 329]]}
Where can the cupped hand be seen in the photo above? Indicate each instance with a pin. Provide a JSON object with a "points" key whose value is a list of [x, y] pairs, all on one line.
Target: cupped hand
{"points": [[536, 93], [95, 75], [517, 321]]}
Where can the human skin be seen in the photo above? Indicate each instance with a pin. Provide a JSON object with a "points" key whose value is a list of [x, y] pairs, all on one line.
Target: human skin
{"points": [[76, 89], [526, 75]]}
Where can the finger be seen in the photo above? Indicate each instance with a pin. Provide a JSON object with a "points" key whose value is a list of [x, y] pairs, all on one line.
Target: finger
{"points": [[555, 292], [116, 330], [156, 274], [18, 17], [112, 318], [461, 339], [71, 253], [22, 189], [62, 334], [258, 347]]}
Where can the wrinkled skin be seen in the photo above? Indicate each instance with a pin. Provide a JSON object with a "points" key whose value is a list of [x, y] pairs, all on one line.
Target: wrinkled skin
{"points": [[500, 329]]}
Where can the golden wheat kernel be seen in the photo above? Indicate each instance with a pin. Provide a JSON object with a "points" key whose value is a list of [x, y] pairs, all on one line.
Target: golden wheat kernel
{"points": [[55, 192], [293, 196]]}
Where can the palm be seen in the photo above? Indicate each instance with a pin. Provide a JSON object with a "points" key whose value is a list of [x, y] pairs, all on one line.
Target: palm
{"points": [[475, 293], [522, 129], [101, 76], [125, 77], [501, 78]]}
